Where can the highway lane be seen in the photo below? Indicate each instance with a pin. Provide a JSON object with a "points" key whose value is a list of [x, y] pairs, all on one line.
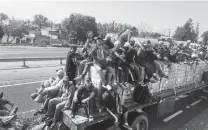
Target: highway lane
{"points": [[18, 76], [21, 51], [191, 111], [193, 107], [190, 114], [20, 95]]}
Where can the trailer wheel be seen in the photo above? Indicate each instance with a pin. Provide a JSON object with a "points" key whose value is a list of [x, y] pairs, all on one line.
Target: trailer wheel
{"points": [[140, 123]]}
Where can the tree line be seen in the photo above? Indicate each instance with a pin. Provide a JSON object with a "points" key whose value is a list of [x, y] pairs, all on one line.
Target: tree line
{"points": [[77, 25]]}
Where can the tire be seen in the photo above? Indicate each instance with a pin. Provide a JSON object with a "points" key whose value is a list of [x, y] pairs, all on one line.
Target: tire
{"points": [[140, 123]]}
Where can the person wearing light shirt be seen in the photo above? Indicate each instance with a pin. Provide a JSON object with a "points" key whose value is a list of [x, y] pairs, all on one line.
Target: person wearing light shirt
{"points": [[63, 100], [50, 92]]}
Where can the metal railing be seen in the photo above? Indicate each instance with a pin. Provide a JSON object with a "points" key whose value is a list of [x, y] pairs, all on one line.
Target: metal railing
{"points": [[32, 59]]}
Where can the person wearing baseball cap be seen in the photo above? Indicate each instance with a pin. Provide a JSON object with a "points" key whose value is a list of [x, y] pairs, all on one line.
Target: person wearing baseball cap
{"points": [[63, 100], [49, 92]]}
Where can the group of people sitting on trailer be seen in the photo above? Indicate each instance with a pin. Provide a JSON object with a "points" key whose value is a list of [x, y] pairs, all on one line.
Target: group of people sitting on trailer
{"points": [[118, 63]]}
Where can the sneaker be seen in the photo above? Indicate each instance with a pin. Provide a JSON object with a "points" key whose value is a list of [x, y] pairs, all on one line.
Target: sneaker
{"points": [[12, 105], [8, 119], [155, 77], [38, 112], [14, 111], [127, 126], [79, 78], [33, 96], [45, 118], [48, 118], [164, 76], [152, 80], [72, 115], [1, 95], [53, 125]]}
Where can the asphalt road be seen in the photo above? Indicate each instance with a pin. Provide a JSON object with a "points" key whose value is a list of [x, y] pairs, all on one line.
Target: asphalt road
{"points": [[19, 76], [27, 51], [20, 95], [190, 112]]}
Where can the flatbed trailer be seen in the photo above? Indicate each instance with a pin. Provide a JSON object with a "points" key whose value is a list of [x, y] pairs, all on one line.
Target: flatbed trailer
{"points": [[163, 94]]}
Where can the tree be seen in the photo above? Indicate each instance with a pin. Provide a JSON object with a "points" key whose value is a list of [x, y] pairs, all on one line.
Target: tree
{"points": [[40, 21], [144, 27], [114, 27], [15, 29], [3, 17], [1, 33], [51, 24], [77, 25], [186, 32], [205, 37]]}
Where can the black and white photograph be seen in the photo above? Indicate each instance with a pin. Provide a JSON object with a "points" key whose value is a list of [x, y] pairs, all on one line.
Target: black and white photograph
{"points": [[103, 65]]}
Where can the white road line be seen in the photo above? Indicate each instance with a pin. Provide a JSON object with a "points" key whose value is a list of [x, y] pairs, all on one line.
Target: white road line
{"points": [[203, 97], [205, 91], [172, 116], [196, 102], [20, 84], [177, 98], [187, 106], [27, 111], [183, 96]]}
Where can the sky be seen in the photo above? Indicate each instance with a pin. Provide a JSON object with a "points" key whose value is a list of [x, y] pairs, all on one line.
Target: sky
{"points": [[159, 15]]}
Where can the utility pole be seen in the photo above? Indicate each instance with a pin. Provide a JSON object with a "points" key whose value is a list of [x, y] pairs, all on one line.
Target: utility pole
{"points": [[197, 27], [164, 31], [113, 27], [197, 30], [169, 32]]}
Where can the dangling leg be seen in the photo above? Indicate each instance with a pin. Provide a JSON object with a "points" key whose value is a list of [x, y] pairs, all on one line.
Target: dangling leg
{"points": [[86, 69], [159, 68]]}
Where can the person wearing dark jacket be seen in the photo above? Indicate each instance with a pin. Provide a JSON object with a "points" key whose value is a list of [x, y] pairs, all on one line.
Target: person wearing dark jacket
{"points": [[82, 95], [108, 43], [71, 63]]}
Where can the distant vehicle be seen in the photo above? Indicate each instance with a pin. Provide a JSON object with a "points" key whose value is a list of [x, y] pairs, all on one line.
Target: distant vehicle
{"points": [[168, 39]]}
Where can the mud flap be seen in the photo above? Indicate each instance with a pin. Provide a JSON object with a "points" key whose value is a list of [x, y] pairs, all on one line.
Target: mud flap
{"points": [[205, 77], [166, 106]]}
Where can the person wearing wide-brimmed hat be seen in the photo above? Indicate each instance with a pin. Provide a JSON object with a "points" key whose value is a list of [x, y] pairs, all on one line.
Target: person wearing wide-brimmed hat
{"points": [[71, 66]]}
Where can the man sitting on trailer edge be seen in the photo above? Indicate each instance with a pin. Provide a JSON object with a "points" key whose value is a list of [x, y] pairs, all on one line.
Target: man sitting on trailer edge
{"points": [[82, 95], [50, 92]]}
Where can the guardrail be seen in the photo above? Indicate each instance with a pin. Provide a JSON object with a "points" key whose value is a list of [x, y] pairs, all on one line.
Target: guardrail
{"points": [[32, 59]]}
